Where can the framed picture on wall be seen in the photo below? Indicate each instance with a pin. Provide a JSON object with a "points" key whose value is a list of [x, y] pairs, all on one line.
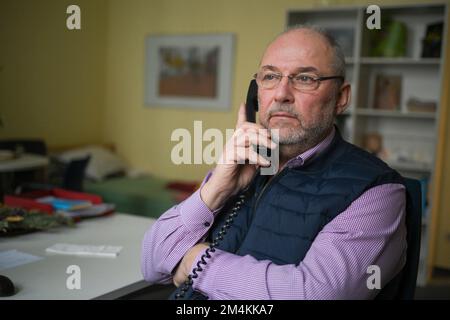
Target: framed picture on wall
{"points": [[189, 71]]}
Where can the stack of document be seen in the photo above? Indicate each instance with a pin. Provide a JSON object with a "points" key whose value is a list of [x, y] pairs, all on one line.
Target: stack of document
{"points": [[77, 208], [84, 250], [92, 211], [65, 204]]}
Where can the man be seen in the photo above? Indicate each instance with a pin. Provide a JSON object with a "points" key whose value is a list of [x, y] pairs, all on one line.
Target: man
{"points": [[312, 230]]}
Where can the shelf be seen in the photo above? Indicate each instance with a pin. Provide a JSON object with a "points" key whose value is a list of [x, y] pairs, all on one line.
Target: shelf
{"points": [[410, 166], [394, 114], [401, 60], [347, 112], [349, 60], [404, 134]]}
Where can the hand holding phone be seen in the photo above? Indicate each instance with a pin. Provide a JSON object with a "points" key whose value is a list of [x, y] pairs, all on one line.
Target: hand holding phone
{"points": [[248, 149]]}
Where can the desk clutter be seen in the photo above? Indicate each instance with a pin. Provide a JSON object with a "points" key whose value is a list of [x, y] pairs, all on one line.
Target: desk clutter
{"points": [[96, 170], [76, 208], [45, 209], [16, 221]]}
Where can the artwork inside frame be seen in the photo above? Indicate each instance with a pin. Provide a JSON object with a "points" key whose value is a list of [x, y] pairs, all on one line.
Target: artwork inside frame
{"points": [[189, 71]]}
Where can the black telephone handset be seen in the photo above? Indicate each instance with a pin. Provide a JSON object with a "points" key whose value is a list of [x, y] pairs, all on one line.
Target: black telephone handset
{"points": [[185, 291], [251, 107], [251, 104]]}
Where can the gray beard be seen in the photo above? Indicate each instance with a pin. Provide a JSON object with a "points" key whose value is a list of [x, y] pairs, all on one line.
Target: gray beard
{"points": [[305, 138]]}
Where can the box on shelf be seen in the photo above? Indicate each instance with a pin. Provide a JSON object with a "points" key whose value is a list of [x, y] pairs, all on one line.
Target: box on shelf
{"points": [[417, 105]]}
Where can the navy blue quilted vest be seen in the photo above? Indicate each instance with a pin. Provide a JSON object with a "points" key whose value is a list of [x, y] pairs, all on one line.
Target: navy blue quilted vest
{"points": [[281, 218]]}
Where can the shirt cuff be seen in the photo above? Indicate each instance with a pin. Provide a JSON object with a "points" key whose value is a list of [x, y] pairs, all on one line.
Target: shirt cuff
{"points": [[195, 214], [207, 277], [230, 276]]}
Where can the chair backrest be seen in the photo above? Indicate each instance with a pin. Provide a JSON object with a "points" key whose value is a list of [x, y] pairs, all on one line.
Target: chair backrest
{"points": [[36, 146], [413, 228], [403, 285], [74, 174]]}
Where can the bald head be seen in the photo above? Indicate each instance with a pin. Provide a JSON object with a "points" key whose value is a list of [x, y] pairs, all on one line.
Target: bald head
{"points": [[314, 43]]}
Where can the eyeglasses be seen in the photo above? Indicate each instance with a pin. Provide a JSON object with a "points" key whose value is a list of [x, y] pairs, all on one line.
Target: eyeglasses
{"points": [[301, 81]]}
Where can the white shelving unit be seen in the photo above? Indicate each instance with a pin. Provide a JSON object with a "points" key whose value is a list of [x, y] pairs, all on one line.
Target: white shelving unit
{"points": [[409, 137]]}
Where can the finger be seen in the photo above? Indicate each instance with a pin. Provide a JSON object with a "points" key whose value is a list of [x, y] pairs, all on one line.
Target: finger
{"points": [[260, 131], [244, 155], [255, 138], [251, 125], [254, 158], [242, 138], [242, 117]]}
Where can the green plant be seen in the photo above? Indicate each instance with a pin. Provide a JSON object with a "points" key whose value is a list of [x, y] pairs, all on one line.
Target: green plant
{"points": [[18, 220]]}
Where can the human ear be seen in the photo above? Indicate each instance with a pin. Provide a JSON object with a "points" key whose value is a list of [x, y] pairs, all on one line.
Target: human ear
{"points": [[344, 96]]}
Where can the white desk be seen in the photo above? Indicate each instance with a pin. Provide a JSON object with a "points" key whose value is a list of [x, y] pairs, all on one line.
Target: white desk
{"points": [[101, 278], [26, 161]]}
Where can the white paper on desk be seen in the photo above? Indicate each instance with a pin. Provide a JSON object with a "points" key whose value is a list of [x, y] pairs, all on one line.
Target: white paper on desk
{"points": [[84, 250], [14, 258]]}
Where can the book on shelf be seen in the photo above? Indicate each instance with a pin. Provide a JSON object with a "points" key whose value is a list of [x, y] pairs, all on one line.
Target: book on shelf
{"points": [[387, 92], [432, 42], [389, 41]]}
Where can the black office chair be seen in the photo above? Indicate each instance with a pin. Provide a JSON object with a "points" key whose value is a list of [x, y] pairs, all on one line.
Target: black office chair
{"points": [[73, 176], [68, 176], [403, 286], [413, 227]]}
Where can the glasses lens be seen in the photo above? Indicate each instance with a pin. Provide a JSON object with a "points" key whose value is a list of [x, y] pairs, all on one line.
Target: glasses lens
{"points": [[268, 80], [301, 81], [304, 82]]}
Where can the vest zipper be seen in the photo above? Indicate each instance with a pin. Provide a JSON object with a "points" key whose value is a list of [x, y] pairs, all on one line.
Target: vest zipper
{"points": [[275, 177]]}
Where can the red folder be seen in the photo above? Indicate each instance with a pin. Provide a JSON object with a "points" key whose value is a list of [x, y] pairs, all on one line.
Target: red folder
{"points": [[28, 200]]}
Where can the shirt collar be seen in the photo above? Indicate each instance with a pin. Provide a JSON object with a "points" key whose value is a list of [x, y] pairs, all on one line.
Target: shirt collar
{"points": [[300, 160]]}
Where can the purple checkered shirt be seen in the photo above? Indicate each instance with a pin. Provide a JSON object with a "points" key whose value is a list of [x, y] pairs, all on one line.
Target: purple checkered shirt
{"points": [[371, 231]]}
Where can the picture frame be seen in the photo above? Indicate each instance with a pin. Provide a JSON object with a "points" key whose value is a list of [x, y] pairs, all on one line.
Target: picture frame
{"points": [[192, 71]]}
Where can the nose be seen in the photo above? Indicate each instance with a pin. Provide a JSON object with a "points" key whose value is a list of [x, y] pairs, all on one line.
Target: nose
{"points": [[283, 93]]}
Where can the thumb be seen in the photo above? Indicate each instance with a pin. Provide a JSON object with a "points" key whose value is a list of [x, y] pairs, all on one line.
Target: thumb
{"points": [[242, 117]]}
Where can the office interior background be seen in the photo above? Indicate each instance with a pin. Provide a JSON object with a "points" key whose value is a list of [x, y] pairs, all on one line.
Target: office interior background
{"points": [[74, 89]]}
